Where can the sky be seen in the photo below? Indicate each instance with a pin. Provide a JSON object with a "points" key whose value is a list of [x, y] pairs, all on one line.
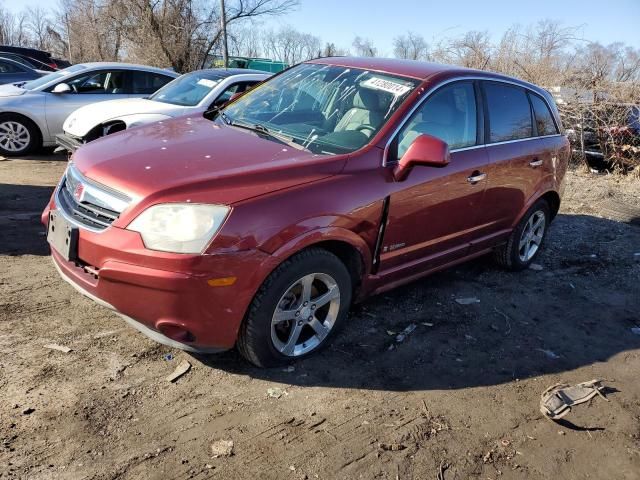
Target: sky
{"points": [[341, 20]]}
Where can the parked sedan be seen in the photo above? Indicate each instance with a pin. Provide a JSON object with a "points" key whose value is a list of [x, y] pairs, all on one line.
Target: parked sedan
{"points": [[14, 72], [34, 58], [258, 224], [32, 114], [193, 92]]}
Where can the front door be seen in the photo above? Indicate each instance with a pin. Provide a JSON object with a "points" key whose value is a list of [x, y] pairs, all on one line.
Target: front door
{"points": [[433, 215], [86, 88]]}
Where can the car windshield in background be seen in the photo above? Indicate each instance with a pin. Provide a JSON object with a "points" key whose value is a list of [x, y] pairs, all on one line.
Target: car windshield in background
{"points": [[59, 75], [326, 109], [187, 90]]}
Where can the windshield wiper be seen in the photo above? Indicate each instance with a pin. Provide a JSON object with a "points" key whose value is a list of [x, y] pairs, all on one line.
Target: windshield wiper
{"points": [[261, 129]]}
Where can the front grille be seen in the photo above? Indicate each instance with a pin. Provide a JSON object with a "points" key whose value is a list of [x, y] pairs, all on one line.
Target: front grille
{"points": [[88, 204]]}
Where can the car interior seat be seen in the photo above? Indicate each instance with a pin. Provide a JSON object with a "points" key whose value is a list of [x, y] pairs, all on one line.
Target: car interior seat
{"points": [[115, 84], [368, 110]]}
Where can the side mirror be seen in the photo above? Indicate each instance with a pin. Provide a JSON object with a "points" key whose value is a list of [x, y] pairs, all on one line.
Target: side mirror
{"points": [[61, 88], [425, 150]]}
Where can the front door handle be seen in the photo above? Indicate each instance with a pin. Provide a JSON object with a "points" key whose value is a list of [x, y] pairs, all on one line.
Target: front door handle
{"points": [[535, 163], [476, 177]]}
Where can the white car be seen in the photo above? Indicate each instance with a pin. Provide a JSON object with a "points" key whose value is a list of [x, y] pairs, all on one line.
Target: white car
{"points": [[190, 93], [32, 113]]}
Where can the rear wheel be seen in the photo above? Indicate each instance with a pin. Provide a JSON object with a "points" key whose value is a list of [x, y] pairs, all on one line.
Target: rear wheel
{"points": [[18, 135], [296, 310], [526, 239]]}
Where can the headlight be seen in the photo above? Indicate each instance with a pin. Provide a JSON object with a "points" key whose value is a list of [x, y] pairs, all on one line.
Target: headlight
{"points": [[179, 227]]}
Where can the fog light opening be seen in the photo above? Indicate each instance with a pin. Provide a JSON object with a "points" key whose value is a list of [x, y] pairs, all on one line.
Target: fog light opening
{"points": [[176, 332]]}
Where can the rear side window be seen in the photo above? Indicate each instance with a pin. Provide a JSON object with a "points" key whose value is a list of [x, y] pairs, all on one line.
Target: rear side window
{"points": [[147, 82], [544, 118], [509, 112], [449, 114]]}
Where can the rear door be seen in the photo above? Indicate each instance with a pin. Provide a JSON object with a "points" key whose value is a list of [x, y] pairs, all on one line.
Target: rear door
{"points": [[434, 213], [517, 164]]}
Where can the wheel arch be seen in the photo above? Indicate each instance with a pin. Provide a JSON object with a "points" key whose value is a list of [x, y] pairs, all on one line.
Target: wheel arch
{"points": [[550, 195], [12, 113], [553, 199], [350, 248]]}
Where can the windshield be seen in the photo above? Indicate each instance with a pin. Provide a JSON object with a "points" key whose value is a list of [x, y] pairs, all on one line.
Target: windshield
{"points": [[33, 84], [187, 90], [325, 108]]}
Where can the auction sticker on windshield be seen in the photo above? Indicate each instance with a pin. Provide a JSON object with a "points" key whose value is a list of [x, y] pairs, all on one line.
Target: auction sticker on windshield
{"points": [[395, 88], [207, 83]]}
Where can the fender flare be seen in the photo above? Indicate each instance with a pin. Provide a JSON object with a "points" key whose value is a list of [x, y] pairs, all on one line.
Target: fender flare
{"points": [[325, 234]]}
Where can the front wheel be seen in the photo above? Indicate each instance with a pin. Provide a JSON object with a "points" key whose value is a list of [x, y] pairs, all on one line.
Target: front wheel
{"points": [[526, 239], [297, 309], [18, 135]]}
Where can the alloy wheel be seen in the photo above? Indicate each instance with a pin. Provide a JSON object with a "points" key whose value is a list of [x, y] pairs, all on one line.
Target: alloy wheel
{"points": [[532, 236], [14, 136], [305, 314]]}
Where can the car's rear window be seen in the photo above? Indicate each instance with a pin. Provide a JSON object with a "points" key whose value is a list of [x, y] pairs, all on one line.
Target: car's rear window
{"points": [[544, 119]]}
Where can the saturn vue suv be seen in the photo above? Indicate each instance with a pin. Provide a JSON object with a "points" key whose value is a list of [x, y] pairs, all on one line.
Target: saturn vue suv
{"points": [[257, 224]]}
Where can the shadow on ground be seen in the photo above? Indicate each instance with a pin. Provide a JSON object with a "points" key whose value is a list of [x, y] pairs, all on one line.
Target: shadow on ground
{"points": [[577, 311], [21, 232]]}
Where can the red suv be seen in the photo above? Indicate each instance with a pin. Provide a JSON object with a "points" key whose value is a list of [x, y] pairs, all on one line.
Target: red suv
{"points": [[258, 224]]}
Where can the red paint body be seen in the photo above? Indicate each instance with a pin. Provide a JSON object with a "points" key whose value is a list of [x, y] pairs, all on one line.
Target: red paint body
{"points": [[284, 200]]}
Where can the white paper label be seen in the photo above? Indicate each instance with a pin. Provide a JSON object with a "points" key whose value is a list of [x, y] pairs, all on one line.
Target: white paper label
{"points": [[207, 83], [397, 89]]}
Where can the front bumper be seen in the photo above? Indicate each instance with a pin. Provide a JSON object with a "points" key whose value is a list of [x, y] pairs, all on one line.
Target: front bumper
{"points": [[67, 142], [156, 291]]}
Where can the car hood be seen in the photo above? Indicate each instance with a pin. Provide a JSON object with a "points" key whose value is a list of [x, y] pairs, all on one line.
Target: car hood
{"points": [[198, 160], [81, 121], [10, 90]]}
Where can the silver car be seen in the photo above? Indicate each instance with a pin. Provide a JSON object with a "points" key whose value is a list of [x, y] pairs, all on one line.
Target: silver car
{"points": [[192, 93], [32, 114]]}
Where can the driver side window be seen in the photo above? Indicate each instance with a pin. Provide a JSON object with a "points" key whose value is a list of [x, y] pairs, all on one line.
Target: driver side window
{"points": [[449, 114], [103, 82], [231, 90]]}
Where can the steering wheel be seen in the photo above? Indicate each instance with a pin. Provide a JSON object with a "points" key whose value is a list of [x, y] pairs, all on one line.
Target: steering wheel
{"points": [[74, 87], [366, 126]]}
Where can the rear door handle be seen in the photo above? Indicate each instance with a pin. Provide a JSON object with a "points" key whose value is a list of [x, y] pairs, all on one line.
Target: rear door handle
{"points": [[476, 177], [535, 163]]}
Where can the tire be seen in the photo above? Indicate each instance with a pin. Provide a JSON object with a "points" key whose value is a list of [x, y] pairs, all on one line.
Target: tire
{"points": [[18, 135], [265, 339], [514, 255]]}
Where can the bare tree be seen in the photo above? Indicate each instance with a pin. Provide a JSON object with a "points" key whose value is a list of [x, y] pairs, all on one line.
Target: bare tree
{"points": [[411, 46], [39, 24], [364, 47], [245, 41], [330, 50], [291, 46]]}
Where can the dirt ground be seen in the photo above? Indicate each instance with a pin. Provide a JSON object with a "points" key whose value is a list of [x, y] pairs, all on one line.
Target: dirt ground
{"points": [[458, 397]]}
